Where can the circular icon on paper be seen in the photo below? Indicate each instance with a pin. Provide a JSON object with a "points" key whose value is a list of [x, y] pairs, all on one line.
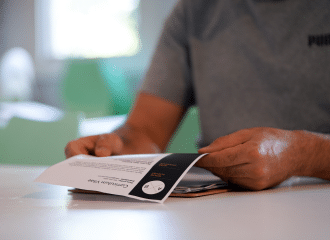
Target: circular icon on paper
{"points": [[153, 187]]}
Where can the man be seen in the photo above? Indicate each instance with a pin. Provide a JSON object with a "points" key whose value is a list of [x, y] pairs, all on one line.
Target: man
{"points": [[259, 72]]}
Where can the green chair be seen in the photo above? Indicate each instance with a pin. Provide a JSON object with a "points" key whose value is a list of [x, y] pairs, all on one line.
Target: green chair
{"points": [[29, 142], [121, 87], [186, 137], [99, 88], [96, 88]]}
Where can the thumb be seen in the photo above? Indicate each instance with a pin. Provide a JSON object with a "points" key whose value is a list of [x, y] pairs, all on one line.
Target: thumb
{"points": [[228, 141], [108, 144]]}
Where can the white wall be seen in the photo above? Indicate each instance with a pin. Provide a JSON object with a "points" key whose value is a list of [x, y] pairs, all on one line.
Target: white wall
{"points": [[17, 25], [17, 29]]}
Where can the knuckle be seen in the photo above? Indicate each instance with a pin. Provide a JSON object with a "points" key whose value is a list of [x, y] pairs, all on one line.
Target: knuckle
{"points": [[102, 152], [261, 176], [102, 137], [261, 172], [107, 138], [103, 140], [70, 144], [254, 153], [68, 149], [232, 157], [108, 144]]}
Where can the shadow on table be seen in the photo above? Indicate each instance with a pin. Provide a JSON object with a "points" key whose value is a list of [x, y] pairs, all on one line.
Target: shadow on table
{"points": [[102, 197], [75, 200], [290, 185], [59, 195]]}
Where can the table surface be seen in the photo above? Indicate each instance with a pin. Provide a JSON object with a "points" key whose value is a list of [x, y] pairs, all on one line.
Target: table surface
{"points": [[31, 210]]}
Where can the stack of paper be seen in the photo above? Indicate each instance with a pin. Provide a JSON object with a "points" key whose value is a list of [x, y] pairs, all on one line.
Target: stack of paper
{"points": [[151, 177], [197, 180]]}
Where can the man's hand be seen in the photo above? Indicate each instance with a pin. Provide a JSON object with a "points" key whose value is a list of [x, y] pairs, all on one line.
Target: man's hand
{"points": [[148, 129], [110, 144], [98, 145], [259, 158]]}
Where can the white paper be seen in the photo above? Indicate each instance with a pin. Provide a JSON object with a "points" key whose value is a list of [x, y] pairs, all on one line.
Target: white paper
{"points": [[150, 177]]}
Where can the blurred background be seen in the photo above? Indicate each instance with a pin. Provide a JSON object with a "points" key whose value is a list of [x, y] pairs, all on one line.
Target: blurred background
{"points": [[72, 68]]}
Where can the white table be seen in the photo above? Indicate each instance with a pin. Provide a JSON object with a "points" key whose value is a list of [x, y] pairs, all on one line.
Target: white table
{"points": [[31, 210]]}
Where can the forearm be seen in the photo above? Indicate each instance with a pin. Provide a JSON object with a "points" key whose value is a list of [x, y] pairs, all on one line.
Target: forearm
{"points": [[148, 129], [152, 120]]}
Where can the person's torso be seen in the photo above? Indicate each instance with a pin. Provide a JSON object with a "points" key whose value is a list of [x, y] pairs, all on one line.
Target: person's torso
{"points": [[260, 63]]}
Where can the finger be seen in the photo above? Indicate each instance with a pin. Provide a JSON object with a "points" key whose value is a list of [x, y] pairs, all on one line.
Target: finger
{"points": [[219, 172], [80, 146], [247, 176], [230, 174], [237, 172], [236, 175], [228, 141], [238, 184], [108, 144], [225, 158]]}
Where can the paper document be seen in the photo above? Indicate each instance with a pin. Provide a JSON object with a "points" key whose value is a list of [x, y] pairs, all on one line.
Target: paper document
{"points": [[150, 177]]}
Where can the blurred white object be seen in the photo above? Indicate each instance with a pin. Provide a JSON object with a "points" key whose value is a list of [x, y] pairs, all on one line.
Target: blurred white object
{"points": [[28, 110], [94, 126], [91, 29], [17, 75]]}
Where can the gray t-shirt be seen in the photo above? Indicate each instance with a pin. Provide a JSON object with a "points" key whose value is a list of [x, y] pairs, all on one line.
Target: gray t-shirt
{"points": [[246, 63]]}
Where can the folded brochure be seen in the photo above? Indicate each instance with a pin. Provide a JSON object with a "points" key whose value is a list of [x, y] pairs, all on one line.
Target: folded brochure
{"points": [[148, 177]]}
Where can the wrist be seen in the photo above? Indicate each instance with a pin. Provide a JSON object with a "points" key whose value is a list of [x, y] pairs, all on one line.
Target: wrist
{"points": [[303, 144], [313, 151]]}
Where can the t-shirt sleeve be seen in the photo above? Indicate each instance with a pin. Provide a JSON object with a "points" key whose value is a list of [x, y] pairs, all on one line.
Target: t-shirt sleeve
{"points": [[169, 74]]}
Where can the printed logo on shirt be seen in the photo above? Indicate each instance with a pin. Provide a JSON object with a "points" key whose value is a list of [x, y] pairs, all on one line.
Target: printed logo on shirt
{"points": [[319, 40]]}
